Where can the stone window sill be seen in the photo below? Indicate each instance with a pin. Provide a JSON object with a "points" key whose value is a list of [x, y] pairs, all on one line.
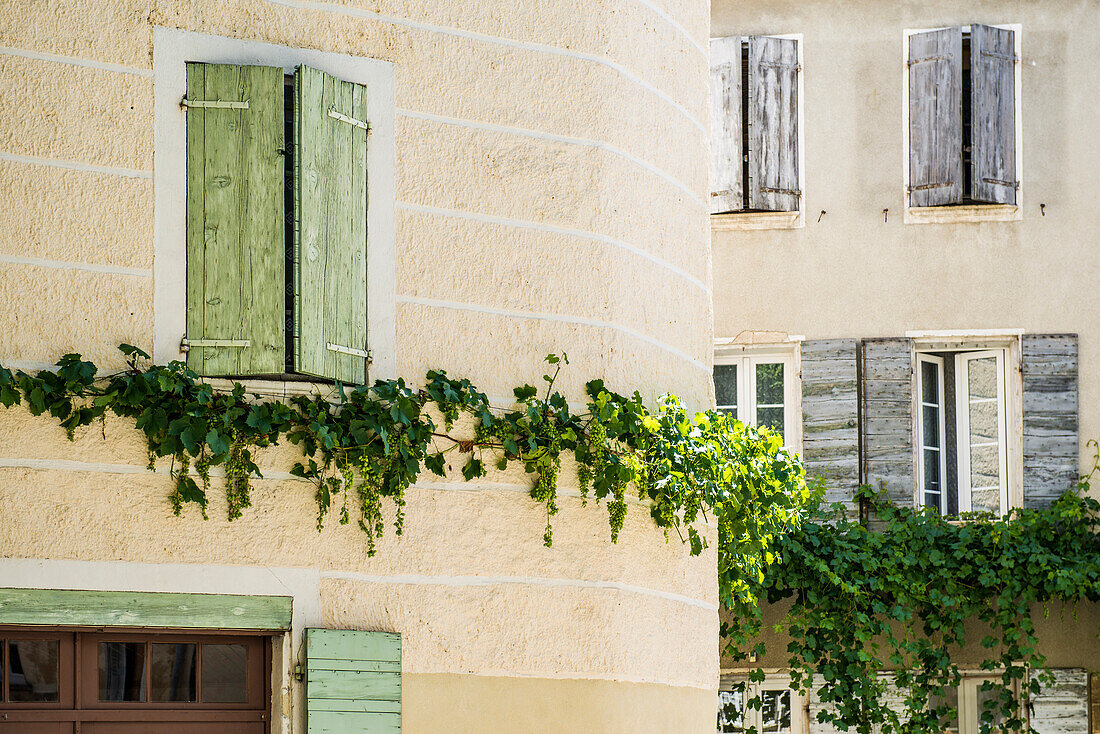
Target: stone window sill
{"points": [[741, 221]]}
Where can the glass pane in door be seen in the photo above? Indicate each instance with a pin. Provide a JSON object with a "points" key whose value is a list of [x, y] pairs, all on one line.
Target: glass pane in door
{"points": [[769, 396], [931, 441], [775, 711], [725, 388], [984, 411], [172, 672], [731, 712], [224, 673], [33, 670], [121, 671]]}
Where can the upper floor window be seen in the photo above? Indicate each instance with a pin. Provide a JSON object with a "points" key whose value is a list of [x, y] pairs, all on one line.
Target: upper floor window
{"points": [[963, 114], [780, 710], [758, 387], [755, 124]]}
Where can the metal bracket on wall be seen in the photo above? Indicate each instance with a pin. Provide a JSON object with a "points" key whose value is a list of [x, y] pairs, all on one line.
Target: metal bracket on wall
{"points": [[215, 103], [349, 120], [364, 353]]}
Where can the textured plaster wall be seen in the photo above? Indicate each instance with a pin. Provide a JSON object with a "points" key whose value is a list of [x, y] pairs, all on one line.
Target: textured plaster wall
{"points": [[854, 275], [550, 185]]}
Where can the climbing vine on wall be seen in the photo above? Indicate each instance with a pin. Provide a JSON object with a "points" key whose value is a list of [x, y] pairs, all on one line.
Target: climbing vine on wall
{"points": [[368, 444]]}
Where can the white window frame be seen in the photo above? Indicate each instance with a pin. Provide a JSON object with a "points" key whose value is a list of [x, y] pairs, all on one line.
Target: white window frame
{"points": [[962, 212], [742, 221], [969, 712], [1010, 375], [962, 401], [746, 357], [753, 717], [172, 49], [942, 448]]}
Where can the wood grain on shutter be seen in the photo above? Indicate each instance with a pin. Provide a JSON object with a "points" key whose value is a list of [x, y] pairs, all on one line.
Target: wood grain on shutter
{"points": [[725, 125], [830, 409], [1050, 416], [887, 398], [330, 244], [992, 114], [935, 118], [235, 230], [773, 124], [353, 682], [1061, 708]]}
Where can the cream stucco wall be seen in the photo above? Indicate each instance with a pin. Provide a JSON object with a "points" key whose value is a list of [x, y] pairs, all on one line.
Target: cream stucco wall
{"points": [[852, 274], [550, 188]]}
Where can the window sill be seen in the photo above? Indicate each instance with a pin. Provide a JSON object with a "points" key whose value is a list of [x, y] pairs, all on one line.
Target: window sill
{"points": [[963, 213], [742, 221]]}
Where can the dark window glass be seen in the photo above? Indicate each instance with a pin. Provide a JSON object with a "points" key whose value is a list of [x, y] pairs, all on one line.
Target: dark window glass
{"points": [[33, 670], [224, 673], [122, 671], [172, 672], [775, 710], [725, 387]]}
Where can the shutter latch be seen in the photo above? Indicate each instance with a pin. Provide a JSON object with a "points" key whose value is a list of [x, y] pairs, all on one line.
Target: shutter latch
{"points": [[364, 353], [349, 120], [186, 344], [216, 103]]}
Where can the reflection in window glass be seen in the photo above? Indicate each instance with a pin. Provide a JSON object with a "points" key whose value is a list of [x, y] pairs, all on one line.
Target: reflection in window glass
{"points": [[731, 711], [775, 711], [985, 464], [725, 388], [948, 705], [33, 670], [769, 395], [224, 673], [989, 705], [121, 671], [172, 672]]}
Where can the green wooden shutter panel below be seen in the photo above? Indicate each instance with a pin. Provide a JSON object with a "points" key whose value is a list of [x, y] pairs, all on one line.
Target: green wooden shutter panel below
{"points": [[353, 682], [235, 230], [330, 227]]}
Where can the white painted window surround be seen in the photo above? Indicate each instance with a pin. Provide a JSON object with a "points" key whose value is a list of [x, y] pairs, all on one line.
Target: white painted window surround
{"points": [[171, 50], [748, 406]]}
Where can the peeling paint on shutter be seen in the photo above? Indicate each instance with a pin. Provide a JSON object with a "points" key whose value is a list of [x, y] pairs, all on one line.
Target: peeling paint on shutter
{"points": [[830, 405], [235, 230], [725, 125], [773, 124], [1050, 413], [353, 682], [887, 400], [993, 114], [330, 227], [1061, 708], [935, 118]]}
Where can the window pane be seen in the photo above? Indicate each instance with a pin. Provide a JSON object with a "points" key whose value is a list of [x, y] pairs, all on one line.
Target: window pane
{"points": [[725, 386], [771, 417], [932, 481], [224, 673], [929, 381], [122, 671], [991, 699], [948, 705], [731, 711], [172, 672], [33, 670], [769, 384], [775, 711], [931, 425]]}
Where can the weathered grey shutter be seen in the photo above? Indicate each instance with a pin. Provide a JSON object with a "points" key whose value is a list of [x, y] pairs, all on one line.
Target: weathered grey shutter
{"points": [[330, 244], [935, 118], [887, 395], [353, 682], [235, 229], [992, 114], [773, 124], [830, 410], [1061, 708], [725, 125], [1050, 443]]}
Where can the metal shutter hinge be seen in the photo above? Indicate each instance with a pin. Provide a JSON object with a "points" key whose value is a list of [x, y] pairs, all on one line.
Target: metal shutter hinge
{"points": [[349, 120], [215, 103], [999, 182], [187, 344], [364, 353]]}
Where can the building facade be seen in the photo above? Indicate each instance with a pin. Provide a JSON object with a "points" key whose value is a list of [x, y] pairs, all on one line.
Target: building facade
{"points": [[903, 260], [528, 173]]}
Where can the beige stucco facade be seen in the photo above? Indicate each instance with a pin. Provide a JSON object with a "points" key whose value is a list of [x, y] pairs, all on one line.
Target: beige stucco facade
{"points": [[549, 195]]}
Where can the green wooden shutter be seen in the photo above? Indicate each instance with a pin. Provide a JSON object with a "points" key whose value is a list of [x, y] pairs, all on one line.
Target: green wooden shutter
{"points": [[235, 231], [725, 125], [773, 124], [993, 114], [330, 242], [935, 118], [353, 682]]}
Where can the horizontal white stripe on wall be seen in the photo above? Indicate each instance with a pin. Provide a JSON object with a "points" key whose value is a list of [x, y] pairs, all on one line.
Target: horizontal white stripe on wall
{"points": [[76, 165], [69, 265], [560, 318], [326, 7], [75, 61]]}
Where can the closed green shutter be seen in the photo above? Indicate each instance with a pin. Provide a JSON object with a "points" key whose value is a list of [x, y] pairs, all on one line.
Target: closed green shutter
{"points": [[353, 682], [235, 230], [330, 242]]}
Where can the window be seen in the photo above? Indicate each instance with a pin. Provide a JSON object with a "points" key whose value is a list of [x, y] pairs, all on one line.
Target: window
{"points": [[755, 126], [962, 431], [274, 228], [758, 388], [963, 112], [779, 711], [967, 702]]}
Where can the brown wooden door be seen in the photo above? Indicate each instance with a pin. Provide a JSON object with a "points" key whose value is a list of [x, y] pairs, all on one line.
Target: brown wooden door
{"points": [[57, 681]]}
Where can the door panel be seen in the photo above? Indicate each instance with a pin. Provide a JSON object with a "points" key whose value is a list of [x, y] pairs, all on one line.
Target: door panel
{"points": [[174, 727]]}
